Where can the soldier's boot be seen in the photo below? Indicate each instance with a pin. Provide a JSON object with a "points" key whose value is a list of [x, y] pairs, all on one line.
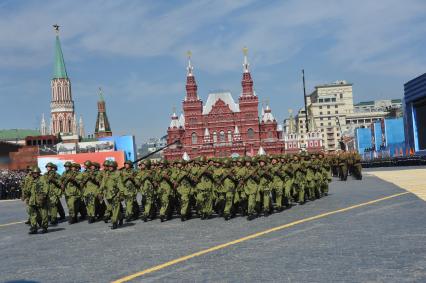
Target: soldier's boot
{"points": [[44, 230], [114, 226], [182, 218], [251, 216], [120, 223], [162, 218], [54, 221], [145, 218], [61, 210], [33, 230], [227, 217]]}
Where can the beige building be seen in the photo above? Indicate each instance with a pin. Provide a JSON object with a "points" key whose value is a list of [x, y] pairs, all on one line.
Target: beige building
{"points": [[332, 112]]}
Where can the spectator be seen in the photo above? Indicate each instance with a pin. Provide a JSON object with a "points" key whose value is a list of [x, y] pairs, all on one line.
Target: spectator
{"points": [[10, 183]]}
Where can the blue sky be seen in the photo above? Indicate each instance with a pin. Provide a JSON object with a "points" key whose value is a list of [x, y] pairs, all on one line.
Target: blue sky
{"points": [[136, 50]]}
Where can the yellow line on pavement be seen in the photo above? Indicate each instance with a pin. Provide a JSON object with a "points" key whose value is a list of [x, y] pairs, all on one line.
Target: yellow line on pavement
{"points": [[256, 235], [9, 200], [12, 223]]}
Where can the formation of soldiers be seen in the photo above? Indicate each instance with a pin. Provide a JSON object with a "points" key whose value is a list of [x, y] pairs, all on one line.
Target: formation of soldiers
{"points": [[245, 186]]}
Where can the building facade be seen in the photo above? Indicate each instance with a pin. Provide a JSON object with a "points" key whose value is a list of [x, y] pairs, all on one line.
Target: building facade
{"points": [[334, 116], [222, 127], [415, 114]]}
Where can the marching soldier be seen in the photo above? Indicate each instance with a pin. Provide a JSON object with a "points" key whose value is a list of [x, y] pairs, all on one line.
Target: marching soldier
{"points": [[165, 190], [145, 181], [128, 176], [52, 180], [343, 167], [205, 183], [264, 186], [90, 185], [38, 201], [25, 191], [114, 191], [71, 189], [229, 187], [277, 184]]}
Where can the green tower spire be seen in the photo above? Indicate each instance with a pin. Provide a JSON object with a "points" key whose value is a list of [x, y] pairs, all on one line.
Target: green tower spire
{"points": [[59, 71]]}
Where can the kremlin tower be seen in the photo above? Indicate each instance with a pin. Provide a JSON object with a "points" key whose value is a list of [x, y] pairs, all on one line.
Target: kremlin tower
{"points": [[102, 128], [62, 115]]}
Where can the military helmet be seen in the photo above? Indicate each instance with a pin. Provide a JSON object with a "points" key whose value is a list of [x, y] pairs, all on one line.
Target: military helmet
{"points": [[87, 163], [113, 163], [36, 170], [76, 165], [50, 164], [128, 162], [68, 164], [165, 162], [147, 162], [106, 163], [96, 164], [54, 166]]}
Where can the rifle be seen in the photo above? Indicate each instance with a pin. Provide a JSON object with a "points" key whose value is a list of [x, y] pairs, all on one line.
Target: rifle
{"points": [[158, 150]]}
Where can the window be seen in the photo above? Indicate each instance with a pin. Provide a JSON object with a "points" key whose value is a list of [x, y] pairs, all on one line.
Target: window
{"points": [[336, 112], [329, 118], [69, 126], [321, 118], [320, 113], [61, 126], [270, 135], [327, 100], [222, 136], [194, 138], [329, 123], [320, 107], [322, 124], [214, 137], [335, 106], [341, 96], [328, 106], [333, 99], [328, 112], [229, 136], [250, 133], [320, 100]]}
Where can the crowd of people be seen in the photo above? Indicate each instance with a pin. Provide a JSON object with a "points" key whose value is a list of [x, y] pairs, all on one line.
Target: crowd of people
{"points": [[10, 183], [203, 187]]}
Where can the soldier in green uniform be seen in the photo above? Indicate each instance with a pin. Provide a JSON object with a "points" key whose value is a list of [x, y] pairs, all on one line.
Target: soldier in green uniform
{"points": [[299, 169], [219, 190], [287, 172], [184, 187], [128, 175], [326, 174], [25, 191], [114, 192], [52, 180], [229, 187], [357, 168], [204, 187], [240, 199], [145, 181], [277, 184], [90, 186], [343, 166], [103, 175], [264, 189], [310, 181], [250, 180], [165, 189], [70, 186], [38, 201], [99, 201]]}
